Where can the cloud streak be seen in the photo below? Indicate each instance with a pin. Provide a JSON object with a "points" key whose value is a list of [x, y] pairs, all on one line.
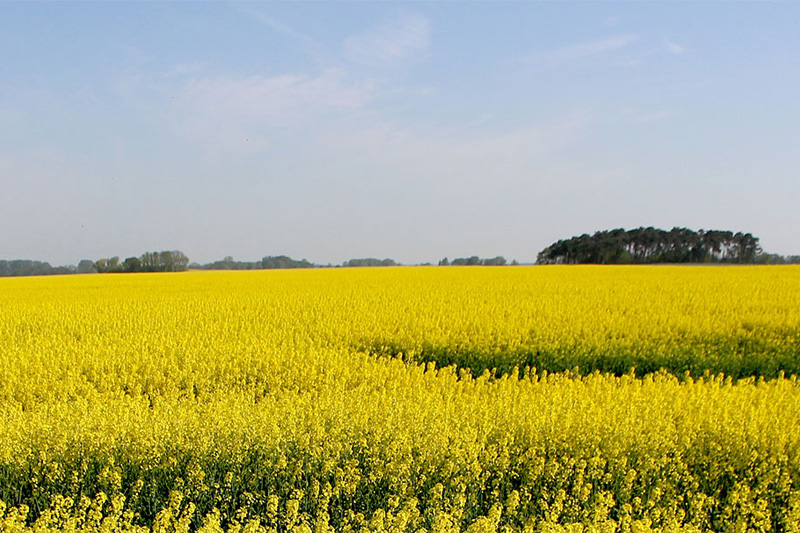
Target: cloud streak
{"points": [[447, 160], [580, 51], [221, 110], [225, 110], [312, 46], [275, 98], [673, 48], [403, 39]]}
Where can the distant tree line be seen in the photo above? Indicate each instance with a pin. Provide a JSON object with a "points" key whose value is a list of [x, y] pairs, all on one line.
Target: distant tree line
{"points": [[651, 245], [169, 261], [777, 259], [266, 263], [618, 246], [166, 261], [369, 262], [475, 261], [284, 262], [27, 267]]}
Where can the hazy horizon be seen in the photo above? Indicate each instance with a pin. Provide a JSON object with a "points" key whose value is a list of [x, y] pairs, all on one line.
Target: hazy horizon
{"points": [[413, 131]]}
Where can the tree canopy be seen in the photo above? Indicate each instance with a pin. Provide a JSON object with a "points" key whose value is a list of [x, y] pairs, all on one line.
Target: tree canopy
{"points": [[28, 267], [474, 261], [369, 262], [284, 261], [651, 245], [166, 261]]}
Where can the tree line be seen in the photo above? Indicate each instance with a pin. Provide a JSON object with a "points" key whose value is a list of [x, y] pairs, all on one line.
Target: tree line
{"points": [[476, 261], [169, 261], [617, 246], [266, 263], [176, 261], [651, 245], [369, 262], [28, 267]]}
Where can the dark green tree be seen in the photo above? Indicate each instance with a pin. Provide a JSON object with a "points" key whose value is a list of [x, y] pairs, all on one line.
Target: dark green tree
{"points": [[86, 266], [651, 245]]}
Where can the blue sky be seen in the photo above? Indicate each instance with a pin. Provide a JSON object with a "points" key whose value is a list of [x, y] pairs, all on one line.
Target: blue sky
{"points": [[412, 130]]}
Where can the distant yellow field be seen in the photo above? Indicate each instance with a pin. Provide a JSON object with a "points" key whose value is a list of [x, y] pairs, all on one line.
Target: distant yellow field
{"points": [[314, 400]]}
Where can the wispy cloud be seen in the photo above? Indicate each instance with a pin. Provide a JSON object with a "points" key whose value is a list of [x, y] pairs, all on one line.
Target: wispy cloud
{"points": [[655, 116], [647, 50], [578, 51], [223, 110], [183, 70], [275, 97], [673, 48], [311, 45], [466, 156], [405, 38], [644, 116]]}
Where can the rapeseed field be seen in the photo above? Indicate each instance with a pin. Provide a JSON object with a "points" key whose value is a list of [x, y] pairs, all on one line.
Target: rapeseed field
{"points": [[507, 399]]}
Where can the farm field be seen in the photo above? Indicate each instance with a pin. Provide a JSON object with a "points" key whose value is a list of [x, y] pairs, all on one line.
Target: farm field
{"points": [[402, 399]]}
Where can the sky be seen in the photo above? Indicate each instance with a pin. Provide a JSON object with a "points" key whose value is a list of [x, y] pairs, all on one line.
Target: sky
{"points": [[408, 130]]}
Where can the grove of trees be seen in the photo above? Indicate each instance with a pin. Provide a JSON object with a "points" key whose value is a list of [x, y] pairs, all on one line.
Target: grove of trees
{"points": [[266, 263], [28, 267], [166, 261], [369, 262], [475, 261], [283, 261], [651, 245]]}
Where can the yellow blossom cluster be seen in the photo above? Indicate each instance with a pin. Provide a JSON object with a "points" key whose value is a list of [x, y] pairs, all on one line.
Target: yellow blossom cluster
{"points": [[555, 399]]}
